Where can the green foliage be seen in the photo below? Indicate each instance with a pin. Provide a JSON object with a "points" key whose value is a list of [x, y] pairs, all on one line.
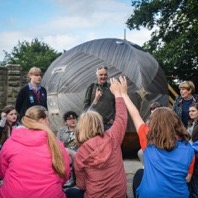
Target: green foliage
{"points": [[29, 54], [174, 41]]}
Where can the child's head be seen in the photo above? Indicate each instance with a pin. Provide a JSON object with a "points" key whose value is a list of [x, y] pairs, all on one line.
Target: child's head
{"points": [[70, 119], [165, 128], [35, 71], [193, 111], [36, 113], [10, 112], [90, 124], [34, 75], [36, 118], [154, 105]]}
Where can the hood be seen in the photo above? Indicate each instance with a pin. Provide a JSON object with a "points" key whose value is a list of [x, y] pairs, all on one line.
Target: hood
{"points": [[99, 151], [29, 137]]}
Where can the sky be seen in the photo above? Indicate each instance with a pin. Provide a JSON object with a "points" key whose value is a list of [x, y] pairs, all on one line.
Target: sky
{"points": [[64, 24]]}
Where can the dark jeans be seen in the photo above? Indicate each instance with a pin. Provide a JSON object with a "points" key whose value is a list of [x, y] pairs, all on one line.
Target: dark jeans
{"points": [[193, 186], [74, 193], [137, 180]]}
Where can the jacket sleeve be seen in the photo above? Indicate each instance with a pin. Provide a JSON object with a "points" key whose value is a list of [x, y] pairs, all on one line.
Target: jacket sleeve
{"points": [[87, 100], [20, 100], [4, 161], [79, 172], [175, 104], [3, 121], [142, 132], [45, 101], [2, 125], [119, 125], [191, 167]]}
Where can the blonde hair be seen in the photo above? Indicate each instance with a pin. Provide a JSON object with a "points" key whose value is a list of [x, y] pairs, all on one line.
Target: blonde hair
{"points": [[90, 124], [165, 128], [30, 120], [34, 71], [189, 85]]}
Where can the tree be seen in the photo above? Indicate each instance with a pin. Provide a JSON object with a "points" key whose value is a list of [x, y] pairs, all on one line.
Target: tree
{"points": [[174, 40], [29, 54]]}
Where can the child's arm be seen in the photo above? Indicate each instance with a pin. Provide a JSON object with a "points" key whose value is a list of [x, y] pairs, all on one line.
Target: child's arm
{"points": [[190, 170]]}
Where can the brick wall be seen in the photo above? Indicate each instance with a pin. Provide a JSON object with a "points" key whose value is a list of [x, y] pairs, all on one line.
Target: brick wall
{"points": [[12, 78], [3, 86]]}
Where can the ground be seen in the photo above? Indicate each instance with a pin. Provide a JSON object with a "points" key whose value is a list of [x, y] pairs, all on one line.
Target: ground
{"points": [[131, 166]]}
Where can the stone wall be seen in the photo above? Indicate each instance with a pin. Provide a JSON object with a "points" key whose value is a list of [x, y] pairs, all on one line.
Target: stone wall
{"points": [[3, 86], [11, 80]]}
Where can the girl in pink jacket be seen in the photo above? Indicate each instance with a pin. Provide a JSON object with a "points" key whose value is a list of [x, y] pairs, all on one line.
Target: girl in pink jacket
{"points": [[33, 163]]}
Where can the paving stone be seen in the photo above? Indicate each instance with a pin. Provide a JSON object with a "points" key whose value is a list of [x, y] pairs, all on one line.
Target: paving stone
{"points": [[131, 166]]}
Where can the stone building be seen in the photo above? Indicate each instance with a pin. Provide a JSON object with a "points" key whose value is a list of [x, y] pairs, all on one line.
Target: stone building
{"points": [[11, 80]]}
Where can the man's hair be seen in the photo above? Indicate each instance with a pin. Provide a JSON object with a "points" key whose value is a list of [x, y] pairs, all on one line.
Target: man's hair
{"points": [[102, 67]]}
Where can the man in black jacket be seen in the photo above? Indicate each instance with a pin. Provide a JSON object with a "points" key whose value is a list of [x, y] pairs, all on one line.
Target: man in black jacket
{"points": [[98, 97]]}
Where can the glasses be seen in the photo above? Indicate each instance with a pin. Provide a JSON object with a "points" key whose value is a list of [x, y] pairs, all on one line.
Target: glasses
{"points": [[71, 119]]}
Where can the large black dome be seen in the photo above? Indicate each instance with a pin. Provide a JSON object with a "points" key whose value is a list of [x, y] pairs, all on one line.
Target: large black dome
{"points": [[69, 75]]}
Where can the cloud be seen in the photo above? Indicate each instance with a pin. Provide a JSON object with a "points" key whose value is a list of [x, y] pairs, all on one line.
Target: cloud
{"points": [[10, 39], [87, 8], [138, 37], [61, 42], [77, 22]]}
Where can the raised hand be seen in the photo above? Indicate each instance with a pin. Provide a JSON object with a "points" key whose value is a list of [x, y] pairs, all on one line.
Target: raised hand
{"points": [[115, 87], [97, 96], [3, 115], [123, 85]]}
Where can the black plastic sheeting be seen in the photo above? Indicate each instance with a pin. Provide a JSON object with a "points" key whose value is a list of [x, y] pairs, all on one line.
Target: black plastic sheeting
{"points": [[70, 74]]}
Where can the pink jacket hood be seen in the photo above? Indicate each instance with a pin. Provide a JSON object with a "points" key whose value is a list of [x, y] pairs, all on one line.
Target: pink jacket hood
{"points": [[29, 137]]}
